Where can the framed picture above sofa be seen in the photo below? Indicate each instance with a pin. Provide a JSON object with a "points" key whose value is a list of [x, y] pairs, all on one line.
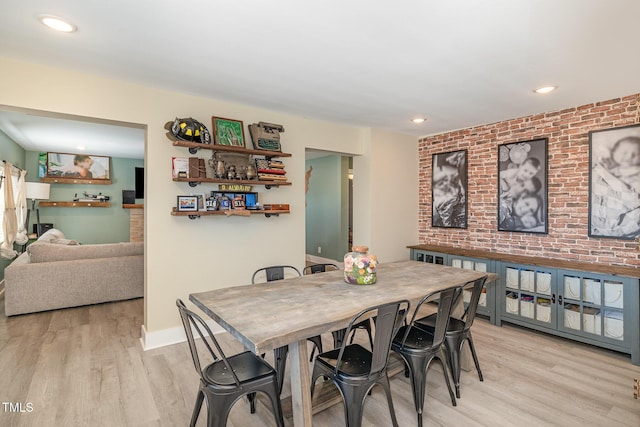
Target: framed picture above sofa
{"points": [[77, 168]]}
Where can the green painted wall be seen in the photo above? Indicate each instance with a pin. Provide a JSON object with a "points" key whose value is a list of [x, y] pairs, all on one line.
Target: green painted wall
{"points": [[90, 225], [326, 211], [11, 152]]}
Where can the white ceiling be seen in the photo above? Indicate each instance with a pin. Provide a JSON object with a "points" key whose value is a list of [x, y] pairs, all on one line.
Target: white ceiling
{"points": [[459, 63]]}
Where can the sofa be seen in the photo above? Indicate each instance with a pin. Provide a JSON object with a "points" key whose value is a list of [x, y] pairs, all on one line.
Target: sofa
{"points": [[55, 272]]}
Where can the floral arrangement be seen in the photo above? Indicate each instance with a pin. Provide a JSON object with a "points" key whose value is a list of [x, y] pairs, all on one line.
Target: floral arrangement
{"points": [[360, 268]]}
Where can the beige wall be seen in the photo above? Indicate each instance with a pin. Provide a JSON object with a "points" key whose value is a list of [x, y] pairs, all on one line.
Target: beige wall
{"points": [[184, 256]]}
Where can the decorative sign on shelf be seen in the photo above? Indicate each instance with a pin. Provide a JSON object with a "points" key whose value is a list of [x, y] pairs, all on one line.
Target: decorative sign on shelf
{"points": [[235, 188]]}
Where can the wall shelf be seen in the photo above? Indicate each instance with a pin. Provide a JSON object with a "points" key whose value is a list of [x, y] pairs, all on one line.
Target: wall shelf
{"points": [[194, 147], [64, 180], [268, 184], [75, 204], [231, 212], [132, 206]]}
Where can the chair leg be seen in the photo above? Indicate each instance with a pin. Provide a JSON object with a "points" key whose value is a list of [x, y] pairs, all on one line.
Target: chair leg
{"points": [[280, 361], [252, 402], [218, 410], [418, 372], [272, 391], [475, 356], [454, 349], [368, 328], [445, 370], [353, 403], [384, 382], [196, 408]]}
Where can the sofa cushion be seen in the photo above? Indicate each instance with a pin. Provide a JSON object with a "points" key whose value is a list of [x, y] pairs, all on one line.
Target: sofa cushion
{"points": [[49, 235], [50, 252]]}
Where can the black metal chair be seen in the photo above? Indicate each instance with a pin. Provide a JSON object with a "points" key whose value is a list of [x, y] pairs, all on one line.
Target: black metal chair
{"points": [[273, 273], [319, 268], [419, 347], [459, 331], [354, 369], [338, 336], [227, 379]]}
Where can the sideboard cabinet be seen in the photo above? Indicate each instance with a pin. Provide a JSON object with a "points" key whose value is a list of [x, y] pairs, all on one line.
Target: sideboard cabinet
{"points": [[590, 303]]}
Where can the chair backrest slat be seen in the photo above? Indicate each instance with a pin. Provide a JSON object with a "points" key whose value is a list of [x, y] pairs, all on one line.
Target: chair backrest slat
{"points": [[274, 272], [191, 321], [319, 268], [445, 303], [472, 307]]}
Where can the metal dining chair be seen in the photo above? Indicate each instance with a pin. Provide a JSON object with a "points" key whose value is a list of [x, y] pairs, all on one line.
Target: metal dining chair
{"points": [[227, 379], [319, 268], [418, 347], [458, 331], [354, 369], [273, 273]]}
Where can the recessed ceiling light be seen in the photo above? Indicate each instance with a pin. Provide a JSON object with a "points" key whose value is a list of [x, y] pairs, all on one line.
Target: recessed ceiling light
{"points": [[81, 147], [546, 89], [419, 120], [58, 24]]}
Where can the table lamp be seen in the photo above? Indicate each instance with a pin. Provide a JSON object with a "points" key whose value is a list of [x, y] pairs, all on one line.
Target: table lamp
{"points": [[36, 191]]}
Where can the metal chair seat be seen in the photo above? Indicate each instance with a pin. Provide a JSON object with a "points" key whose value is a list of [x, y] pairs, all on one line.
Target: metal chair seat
{"points": [[246, 366], [356, 360]]}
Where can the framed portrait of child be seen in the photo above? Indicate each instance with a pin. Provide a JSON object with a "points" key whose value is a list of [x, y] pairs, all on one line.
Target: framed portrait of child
{"points": [[614, 183], [522, 186], [449, 190]]}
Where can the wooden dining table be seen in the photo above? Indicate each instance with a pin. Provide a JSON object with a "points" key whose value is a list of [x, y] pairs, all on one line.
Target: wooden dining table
{"points": [[286, 312]]}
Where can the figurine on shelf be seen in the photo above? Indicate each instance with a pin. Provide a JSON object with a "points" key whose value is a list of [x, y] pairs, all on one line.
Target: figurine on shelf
{"points": [[251, 171], [220, 169], [231, 171]]}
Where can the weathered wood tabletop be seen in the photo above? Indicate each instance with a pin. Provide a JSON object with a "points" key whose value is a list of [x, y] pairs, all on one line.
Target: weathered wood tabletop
{"points": [[286, 312]]}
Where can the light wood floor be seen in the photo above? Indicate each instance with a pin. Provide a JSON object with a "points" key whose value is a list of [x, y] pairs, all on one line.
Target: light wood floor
{"points": [[85, 367]]}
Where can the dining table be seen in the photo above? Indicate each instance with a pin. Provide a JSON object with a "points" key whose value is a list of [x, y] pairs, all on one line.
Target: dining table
{"points": [[270, 315]]}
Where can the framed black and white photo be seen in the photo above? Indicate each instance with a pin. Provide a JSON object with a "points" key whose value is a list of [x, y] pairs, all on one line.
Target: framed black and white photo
{"points": [[522, 186], [449, 189], [614, 182]]}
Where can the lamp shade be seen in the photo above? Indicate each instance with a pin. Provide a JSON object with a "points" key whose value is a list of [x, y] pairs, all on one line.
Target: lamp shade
{"points": [[37, 190]]}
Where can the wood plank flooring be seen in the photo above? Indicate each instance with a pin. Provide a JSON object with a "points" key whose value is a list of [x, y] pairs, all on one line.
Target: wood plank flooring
{"points": [[85, 367]]}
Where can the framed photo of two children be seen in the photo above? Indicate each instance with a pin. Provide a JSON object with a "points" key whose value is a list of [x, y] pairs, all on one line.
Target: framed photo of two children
{"points": [[614, 182], [522, 186]]}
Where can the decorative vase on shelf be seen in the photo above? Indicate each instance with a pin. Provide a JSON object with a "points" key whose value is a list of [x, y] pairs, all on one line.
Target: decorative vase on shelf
{"points": [[360, 267]]}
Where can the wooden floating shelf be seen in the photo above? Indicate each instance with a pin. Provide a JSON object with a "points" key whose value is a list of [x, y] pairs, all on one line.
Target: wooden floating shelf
{"points": [[196, 146], [195, 181], [65, 180], [132, 206], [231, 212], [75, 204]]}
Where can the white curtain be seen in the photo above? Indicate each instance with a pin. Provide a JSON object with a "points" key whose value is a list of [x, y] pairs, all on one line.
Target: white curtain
{"points": [[21, 210], [9, 220]]}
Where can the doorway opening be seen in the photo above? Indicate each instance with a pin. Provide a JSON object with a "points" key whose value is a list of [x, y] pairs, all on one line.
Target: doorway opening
{"points": [[329, 205]]}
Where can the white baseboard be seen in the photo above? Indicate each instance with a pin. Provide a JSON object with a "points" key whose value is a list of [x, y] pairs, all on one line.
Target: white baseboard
{"points": [[165, 337]]}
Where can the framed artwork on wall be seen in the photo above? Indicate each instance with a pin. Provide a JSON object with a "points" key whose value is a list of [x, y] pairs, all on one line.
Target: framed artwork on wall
{"points": [[449, 181], [522, 186], [614, 182], [73, 167], [228, 132]]}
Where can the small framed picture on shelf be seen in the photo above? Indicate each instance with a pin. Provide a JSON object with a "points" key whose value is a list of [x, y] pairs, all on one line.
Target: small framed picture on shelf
{"points": [[202, 201], [187, 203], [228, 132]]}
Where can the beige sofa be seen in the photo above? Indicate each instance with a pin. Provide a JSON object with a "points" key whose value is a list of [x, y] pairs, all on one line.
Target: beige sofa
{"points": [[58, 273]]}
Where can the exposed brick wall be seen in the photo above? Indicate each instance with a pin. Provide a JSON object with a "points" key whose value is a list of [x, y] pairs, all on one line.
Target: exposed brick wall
{"points": [[136, 225], [568, 180]]}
